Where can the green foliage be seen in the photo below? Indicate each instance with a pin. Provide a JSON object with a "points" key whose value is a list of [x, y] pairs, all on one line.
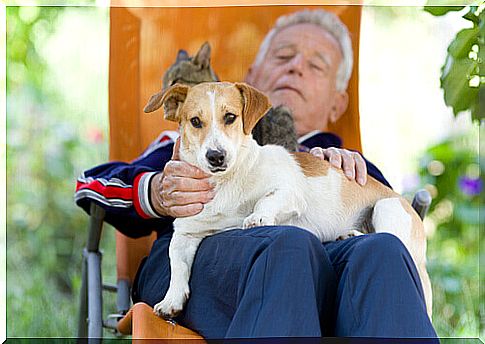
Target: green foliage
{"points": [[47, 147], [453, 174], [462, 75], [458, 206], [441, 10]]}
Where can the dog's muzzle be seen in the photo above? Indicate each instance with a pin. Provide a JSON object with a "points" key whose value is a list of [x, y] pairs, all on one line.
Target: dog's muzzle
{"points": [[216, 159]]}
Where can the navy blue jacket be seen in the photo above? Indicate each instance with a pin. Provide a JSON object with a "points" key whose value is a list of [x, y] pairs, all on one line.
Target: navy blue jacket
{"points": [[122, 189]]}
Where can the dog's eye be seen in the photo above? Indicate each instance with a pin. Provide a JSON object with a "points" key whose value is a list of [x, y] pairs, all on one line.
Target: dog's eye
{"points": [[196, 122], [229, 118]]}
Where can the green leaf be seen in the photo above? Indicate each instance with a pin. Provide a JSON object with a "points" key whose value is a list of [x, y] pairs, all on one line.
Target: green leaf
{"points": [[455, 78], [442, 10], [471, 16], [463, 42], [481, 25], [478, 107]]}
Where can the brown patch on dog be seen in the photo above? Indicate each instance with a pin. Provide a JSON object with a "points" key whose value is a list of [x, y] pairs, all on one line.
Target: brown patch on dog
{"points": [[357, 198], [311, 165]]}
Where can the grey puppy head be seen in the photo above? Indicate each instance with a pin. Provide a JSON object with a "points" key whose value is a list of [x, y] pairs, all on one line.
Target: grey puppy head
{"points": [[278, 128], [190, 70]]}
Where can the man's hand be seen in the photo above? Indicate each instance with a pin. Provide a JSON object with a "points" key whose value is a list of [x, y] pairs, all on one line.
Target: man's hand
{"points": [[351, 163], [181, 189]]}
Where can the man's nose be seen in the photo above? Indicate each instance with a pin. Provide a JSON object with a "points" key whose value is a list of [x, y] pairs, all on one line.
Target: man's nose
{"points": [[216, 157], [296, 64]]}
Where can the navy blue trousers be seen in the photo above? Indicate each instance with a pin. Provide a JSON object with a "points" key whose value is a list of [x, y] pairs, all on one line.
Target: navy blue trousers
{"points": [[281, 281]]}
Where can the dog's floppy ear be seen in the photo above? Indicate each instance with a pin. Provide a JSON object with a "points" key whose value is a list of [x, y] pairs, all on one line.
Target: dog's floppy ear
{"points": [[170, 99], [255, 106], [154, 103]]}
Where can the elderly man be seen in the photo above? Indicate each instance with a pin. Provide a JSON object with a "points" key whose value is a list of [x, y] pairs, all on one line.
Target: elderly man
{"points": [[271, 281]]}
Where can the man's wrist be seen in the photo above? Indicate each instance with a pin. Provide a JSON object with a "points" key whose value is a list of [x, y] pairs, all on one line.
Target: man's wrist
{"points": [[155, 198]]}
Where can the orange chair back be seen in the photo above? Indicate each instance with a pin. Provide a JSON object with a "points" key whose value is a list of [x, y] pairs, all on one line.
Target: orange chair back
{"points": [[144, 43]]}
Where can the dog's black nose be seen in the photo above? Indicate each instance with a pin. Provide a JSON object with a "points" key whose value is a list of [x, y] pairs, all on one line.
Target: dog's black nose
{"points": [[216, 157]]}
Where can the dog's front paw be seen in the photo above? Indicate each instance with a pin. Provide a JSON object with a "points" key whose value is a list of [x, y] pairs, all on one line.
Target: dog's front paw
{"points": [[171, 305], [256, 220], [349, 234]]}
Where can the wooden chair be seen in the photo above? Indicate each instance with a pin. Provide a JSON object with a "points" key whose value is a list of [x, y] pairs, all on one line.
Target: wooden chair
{"points": [[143, 44]]}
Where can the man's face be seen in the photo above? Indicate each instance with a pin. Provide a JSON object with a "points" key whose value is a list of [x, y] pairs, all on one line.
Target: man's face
{"points": [[299, 71]]}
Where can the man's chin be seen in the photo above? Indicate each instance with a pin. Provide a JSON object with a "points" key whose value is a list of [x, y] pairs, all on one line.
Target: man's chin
{"points": [[285, 96], [289, 99]]}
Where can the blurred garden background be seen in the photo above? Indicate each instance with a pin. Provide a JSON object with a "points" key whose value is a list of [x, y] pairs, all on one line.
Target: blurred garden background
{"points": [[57, 126]]}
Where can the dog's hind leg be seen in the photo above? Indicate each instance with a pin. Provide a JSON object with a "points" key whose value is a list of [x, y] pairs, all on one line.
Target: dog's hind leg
{"points": [[396, 216], [181, 252], [390, 217]]}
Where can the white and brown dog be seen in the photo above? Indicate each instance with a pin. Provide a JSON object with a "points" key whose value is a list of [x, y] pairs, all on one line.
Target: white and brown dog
{"points": [[265, 185]]}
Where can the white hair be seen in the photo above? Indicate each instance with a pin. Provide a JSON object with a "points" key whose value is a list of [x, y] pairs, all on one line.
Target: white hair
{"points": [[330, 23]]}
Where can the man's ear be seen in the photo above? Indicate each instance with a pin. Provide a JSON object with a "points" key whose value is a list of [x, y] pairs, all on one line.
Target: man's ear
{"points": [[255, 106], [171, 101], [340, 105]]}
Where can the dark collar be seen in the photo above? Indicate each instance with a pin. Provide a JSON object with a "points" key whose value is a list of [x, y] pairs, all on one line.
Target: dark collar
{"points": [[321, 139]]}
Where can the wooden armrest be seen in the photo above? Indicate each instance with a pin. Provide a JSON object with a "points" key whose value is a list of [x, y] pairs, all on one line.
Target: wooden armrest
{"points": [[142, 323], [124, 325]]}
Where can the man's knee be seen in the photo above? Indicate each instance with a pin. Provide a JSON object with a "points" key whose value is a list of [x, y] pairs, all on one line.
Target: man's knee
{"points": [[293, 246], [295, 237], [379, 247]]}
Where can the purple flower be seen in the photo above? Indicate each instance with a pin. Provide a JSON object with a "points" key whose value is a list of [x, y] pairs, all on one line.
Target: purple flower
{"points": [[470, 186]]}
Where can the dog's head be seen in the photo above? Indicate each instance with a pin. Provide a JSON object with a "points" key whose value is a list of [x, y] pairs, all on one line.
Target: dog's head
{"points": [[216, 120]]}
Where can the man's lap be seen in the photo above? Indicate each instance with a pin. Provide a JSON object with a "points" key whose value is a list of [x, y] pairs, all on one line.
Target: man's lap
{"points": [[223, 259], [227, 262], [224, 263]]}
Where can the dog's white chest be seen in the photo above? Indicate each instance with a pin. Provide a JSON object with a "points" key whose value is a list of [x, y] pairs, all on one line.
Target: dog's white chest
{"points": [[234, 200], [227, 210]]}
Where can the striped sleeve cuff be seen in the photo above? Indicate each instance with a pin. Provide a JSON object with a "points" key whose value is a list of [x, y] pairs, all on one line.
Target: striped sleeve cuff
{"points": [[141, 196]]}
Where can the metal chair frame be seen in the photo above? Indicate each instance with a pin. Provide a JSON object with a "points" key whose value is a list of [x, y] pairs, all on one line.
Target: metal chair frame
{"points": [[90, 322]]}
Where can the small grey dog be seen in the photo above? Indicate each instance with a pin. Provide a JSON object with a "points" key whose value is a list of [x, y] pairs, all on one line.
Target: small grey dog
{"points": [[276, 127]]}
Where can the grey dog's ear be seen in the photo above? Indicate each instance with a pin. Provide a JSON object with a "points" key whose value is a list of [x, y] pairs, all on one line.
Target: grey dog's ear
{"points": [[203, 56], [255, 105], [171, 101], [182, 55]]}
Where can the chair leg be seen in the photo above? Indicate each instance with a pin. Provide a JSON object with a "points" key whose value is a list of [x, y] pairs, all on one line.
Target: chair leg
{"points": [[83, 304], [123, 303], [95, 298], [91, 300]]}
